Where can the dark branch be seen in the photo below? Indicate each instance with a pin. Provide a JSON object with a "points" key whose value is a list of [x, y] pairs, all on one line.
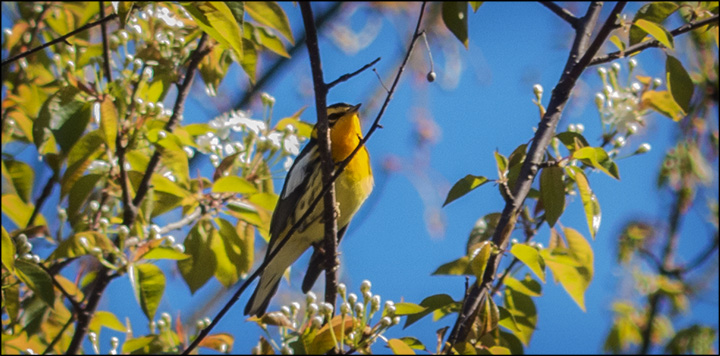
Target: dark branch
{"points": [[323, 133], [106, 46], [652, 43], [564, 13], [42, 198], [346, 77], [59, 39]]}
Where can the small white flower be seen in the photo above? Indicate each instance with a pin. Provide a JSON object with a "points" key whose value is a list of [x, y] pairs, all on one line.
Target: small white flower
{"points": [[644, 148], [538, 90], [352, 298], [365, 285], [179, 248], [385, 321], [317, 321], [359, 308]]}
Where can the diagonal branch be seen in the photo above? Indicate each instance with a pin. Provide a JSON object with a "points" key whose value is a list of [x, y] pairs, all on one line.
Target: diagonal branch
{"points": [[652, 43], [564, 13], [346, 77], [59, 39]]}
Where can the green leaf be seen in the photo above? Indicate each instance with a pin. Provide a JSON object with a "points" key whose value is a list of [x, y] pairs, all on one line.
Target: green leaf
{"points": [[134, 344], [695, 340], [679, 83], [572, 267], [233, 184], [488, 317], [414, 343], [552, 193], [8, 251], [17, 211], [399, 347], [198, 269], [618, 43], [483, 230], [79, 193], [455, 17], [109, 122], [480, 258], [54, 113], [507, 320], [657, 31], [250, 59], [270, 14], [404, 308], [124, 9], [464, 186], [87, 149], [218, 21], [73, 124], [81, 243], [431, 303], [164, 253], [227, 247], [149, 285], [36, 279], [572, 140], [262, 37], [459, 267], [502, 164], [590, 202], [655, 12], [106, 319], [531, 258], [664, 103], [475, 5], [522, 308], [597, 158], [527, 286], [22, 177]]}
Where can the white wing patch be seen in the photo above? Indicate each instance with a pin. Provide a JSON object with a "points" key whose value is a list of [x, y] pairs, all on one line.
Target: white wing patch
{"points": [[294, 179]]}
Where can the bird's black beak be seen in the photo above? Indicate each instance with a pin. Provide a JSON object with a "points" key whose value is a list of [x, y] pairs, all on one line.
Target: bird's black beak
{"points": [[356, 108]]}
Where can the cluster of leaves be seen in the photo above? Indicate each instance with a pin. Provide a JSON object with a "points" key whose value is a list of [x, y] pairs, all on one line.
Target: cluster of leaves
{"points": [[106, 137]]}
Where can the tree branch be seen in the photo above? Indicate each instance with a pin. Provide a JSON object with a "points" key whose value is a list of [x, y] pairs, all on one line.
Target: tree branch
{"points": [[564, 13], [578, 58], [652, 43], [106, 47], [327, 165], [312, 205], [59, 39], [346, 77], [47, 190]]}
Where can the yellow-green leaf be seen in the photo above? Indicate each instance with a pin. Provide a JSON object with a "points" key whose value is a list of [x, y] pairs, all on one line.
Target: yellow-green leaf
{"points": [[531, 258], [164, 253], [679, 83], [655, 12], [109, 122], [459, 267], [464, 186], [523, 311], [270, 14], [591, 205], [528, 286], [233, 184], [552, 193], [455, 17], [149, 285], [399, 347], [475, 5], [480, 258], [8, 251], [663, 102], [87, 149], [657, 31], [36, 279], [198, 269], [107, 319], [597, 158], [21, 175], [218, 21]]}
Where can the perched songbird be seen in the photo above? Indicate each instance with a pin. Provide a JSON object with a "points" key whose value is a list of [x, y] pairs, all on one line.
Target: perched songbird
{"points": [[302, 185]]}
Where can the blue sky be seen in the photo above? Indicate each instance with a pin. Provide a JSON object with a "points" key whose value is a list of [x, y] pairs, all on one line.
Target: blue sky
{"points": [[512, 47]]}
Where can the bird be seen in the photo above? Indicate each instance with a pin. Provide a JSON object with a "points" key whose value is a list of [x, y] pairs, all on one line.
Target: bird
{"points": [[302, 185]]}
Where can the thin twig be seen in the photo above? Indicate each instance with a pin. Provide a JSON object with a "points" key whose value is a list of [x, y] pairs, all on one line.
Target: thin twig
{"points": [[186, 220], [42, 198], [564, 13], [346, 77], [59, 39], [59, 335], [75, 304], [652, 43], [203, 333]]}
